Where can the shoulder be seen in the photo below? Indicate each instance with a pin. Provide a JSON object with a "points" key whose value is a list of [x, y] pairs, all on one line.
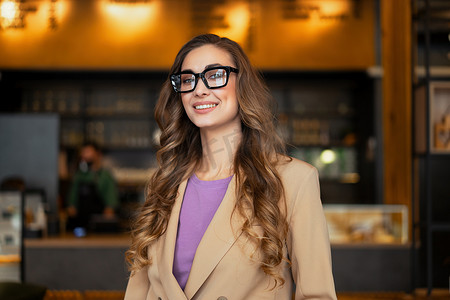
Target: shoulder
{"points": [[300, 181], [292, 169], [105, 173]]}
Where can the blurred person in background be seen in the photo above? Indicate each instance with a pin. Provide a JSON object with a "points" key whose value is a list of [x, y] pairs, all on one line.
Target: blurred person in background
{"points": [[93, 190]]}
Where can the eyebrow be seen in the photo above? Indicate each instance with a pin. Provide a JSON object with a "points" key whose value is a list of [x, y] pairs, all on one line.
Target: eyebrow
{"points": [[208, 66]]}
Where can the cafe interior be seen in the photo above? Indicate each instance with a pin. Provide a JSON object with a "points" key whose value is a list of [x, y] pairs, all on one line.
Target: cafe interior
{"points": [[363, 94]]}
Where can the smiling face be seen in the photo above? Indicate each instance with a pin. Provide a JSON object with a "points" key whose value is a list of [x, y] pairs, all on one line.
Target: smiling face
{"points": [[211, 108]]}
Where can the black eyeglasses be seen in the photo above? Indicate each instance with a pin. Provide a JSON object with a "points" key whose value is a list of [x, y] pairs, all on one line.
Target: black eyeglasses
{"points": [[213, 78]]}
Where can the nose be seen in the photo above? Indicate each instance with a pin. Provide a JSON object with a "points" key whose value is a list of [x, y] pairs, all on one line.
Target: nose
{"points": [[201, 89]]}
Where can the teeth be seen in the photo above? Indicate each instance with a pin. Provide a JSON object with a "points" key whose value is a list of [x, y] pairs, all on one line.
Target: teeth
{"points": [[204, 106]]}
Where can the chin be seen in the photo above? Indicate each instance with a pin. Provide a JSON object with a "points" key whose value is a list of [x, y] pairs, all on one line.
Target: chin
{"points": [[204, 123], [206, 126]]}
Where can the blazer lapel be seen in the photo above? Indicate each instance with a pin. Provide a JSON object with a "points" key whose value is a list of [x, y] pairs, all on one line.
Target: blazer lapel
{"points": [[165, 250], [217, 240]]}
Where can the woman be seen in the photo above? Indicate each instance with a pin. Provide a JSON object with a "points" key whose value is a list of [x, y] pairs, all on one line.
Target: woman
{"points": [[228, 214]]}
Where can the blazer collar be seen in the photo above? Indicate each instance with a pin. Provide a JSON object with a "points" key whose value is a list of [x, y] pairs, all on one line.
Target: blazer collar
{"points": [[215, 243]]}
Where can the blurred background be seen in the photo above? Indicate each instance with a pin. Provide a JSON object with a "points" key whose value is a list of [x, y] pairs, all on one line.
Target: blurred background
{"points": [[363, 92]]}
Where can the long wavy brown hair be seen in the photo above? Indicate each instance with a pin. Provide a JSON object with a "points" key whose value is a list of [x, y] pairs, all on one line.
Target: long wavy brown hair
{"points": [[259, 187]]}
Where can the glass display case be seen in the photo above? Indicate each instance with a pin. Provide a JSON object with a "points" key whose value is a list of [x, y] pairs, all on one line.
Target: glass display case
{"points": [[11, 235], [370, 224], [440, 117]]}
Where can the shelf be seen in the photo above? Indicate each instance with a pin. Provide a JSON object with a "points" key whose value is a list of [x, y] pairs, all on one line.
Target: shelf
{"points": [[431, 119], [118, 116], [366, 245], [292, 146], [111, 148], [431, 154], [434, 20], [437, 14], [436, 72], [439, 153], [435, 226], [440, 226], [351, 179], [74, 116], [436, 10], [320, 115]]}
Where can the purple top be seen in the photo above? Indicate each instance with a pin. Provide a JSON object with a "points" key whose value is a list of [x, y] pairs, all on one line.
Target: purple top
{"points": [[201, 200]]}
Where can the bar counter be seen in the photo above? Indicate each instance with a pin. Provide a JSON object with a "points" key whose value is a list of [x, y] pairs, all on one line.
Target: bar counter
{"points": [[97, 262], [94, 262]]}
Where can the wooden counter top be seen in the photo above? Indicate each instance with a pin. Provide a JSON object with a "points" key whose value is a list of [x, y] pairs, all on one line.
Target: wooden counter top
{"points": [[70, 241], [124, 240]]}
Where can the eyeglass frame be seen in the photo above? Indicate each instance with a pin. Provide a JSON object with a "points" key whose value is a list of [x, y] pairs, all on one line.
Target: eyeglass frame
{"points": [[201, 75]]}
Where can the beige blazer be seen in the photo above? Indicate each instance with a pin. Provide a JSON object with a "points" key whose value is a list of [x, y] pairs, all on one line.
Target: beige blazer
{"points": [[223, 268]]}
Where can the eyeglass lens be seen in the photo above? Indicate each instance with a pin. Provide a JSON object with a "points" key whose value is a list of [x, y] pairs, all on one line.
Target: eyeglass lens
{"points": [[215, 78]]}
